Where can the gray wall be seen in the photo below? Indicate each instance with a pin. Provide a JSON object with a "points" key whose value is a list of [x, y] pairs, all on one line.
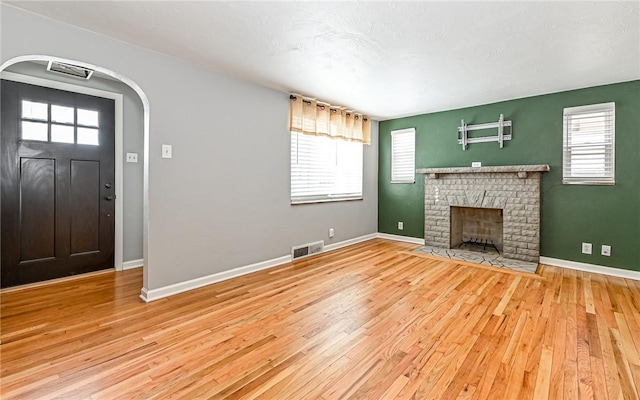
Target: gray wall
{"points": [[223, 200], [132, 121]]}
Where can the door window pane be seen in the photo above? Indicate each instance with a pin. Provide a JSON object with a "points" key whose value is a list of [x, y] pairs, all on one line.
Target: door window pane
{"points": [[61, 133], [87, 136], [62, 114], [87, 117], [34, 131], [33, 110]]}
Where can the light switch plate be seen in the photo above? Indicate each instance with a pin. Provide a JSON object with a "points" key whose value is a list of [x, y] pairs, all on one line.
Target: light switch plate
{"points": [[166, 151], [132, 157]]}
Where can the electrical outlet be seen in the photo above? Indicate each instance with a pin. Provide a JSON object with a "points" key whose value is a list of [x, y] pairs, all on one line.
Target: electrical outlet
{"points": [[606, 250], [400, 226], [586, 248], [331, 232], [166, 151], [476, 164], [132, 157]]}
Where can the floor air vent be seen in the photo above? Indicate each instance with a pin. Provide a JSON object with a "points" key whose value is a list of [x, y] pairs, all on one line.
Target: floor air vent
{"points": [[307, 249]]}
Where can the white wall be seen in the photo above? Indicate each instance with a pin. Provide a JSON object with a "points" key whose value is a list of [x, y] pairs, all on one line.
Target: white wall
{"points": [[132, 143], [222, 201]]}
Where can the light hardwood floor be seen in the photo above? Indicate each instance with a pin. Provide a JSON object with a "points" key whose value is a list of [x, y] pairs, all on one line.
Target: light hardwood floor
{"points": [[368, 321]]}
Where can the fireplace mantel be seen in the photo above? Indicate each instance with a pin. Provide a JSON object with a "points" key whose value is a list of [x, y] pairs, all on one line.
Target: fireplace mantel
{"points": [[476, 170]]}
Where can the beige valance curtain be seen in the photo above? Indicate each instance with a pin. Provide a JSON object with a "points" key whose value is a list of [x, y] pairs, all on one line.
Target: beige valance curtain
{"points": [[315, 118]]}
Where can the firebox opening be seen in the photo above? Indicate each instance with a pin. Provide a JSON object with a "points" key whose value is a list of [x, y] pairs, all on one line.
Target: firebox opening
{"points": [[478, 229]]}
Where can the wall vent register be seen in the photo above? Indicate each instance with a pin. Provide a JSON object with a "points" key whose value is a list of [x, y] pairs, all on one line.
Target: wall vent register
{"points": [[307, 249], [69, 70]]}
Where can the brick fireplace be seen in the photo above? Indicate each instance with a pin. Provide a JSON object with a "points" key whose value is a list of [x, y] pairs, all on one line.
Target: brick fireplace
{"points": [[475, 198]]}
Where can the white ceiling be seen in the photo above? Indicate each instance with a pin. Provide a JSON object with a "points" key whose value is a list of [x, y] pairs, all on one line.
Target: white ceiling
{"points": [[384, 59]]}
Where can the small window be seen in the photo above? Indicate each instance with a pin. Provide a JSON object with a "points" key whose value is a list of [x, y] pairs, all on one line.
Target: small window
{"points": [[403, 156], [61, 133], [325, 169], [33, 110], [62, 114], [54, 123], [34, 131], [589, 145], [87, 117], [88, 136]]}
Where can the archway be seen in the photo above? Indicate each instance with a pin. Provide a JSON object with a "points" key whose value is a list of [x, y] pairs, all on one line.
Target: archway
{"points": [[145, 104]]}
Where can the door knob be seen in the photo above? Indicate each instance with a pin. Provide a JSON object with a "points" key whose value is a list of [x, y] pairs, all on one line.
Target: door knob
{"points": [[107, 185], [109, 198]]}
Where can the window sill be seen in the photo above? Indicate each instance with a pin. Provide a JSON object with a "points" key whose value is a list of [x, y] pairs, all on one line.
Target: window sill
{"points": [[300, 202], [588, 183]]}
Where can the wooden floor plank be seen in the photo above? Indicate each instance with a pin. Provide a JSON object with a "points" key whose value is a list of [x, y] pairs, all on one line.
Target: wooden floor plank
{"points": [[368, 321]]}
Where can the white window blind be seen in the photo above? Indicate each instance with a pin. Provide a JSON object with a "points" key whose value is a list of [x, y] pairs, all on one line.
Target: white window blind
{"points": [[589, 145], [403, 156], [325, 169]]}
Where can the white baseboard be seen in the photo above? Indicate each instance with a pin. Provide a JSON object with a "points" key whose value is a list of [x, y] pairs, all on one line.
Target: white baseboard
{"points": [[598, 269], [155, 294], [132, 264], [349, 242], [399, 238]]}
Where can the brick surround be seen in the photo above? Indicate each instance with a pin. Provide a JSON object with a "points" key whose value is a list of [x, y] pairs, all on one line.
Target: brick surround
{"points": [[513, 189]]}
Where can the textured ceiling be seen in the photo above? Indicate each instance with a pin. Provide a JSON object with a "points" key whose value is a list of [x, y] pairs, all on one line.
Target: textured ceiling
{"points": [[384, 59]]}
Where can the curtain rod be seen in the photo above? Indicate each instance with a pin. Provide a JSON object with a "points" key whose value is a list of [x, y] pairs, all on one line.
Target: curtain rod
{"points": [[322, 106]]}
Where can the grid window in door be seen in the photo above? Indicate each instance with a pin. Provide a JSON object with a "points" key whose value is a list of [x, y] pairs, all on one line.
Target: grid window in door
{"points": [[55, 123]]}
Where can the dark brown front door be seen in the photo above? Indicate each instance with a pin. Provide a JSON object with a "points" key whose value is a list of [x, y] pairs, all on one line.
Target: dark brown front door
{"points": [[57, 190]]}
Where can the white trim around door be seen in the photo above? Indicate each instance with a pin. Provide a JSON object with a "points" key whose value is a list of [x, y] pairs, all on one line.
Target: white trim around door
{"points": [[117, 97]]}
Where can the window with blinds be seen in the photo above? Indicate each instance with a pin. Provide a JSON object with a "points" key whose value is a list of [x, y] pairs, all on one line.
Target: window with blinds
{"points": [[325, 169], [589, 147], [403, 156]]}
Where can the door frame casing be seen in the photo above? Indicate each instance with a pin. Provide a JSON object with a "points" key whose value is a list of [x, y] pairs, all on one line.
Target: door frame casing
{"points": [[118, 249]]}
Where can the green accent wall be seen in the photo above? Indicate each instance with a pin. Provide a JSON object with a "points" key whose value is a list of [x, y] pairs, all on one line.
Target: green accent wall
{"points": [[570, 214]]}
